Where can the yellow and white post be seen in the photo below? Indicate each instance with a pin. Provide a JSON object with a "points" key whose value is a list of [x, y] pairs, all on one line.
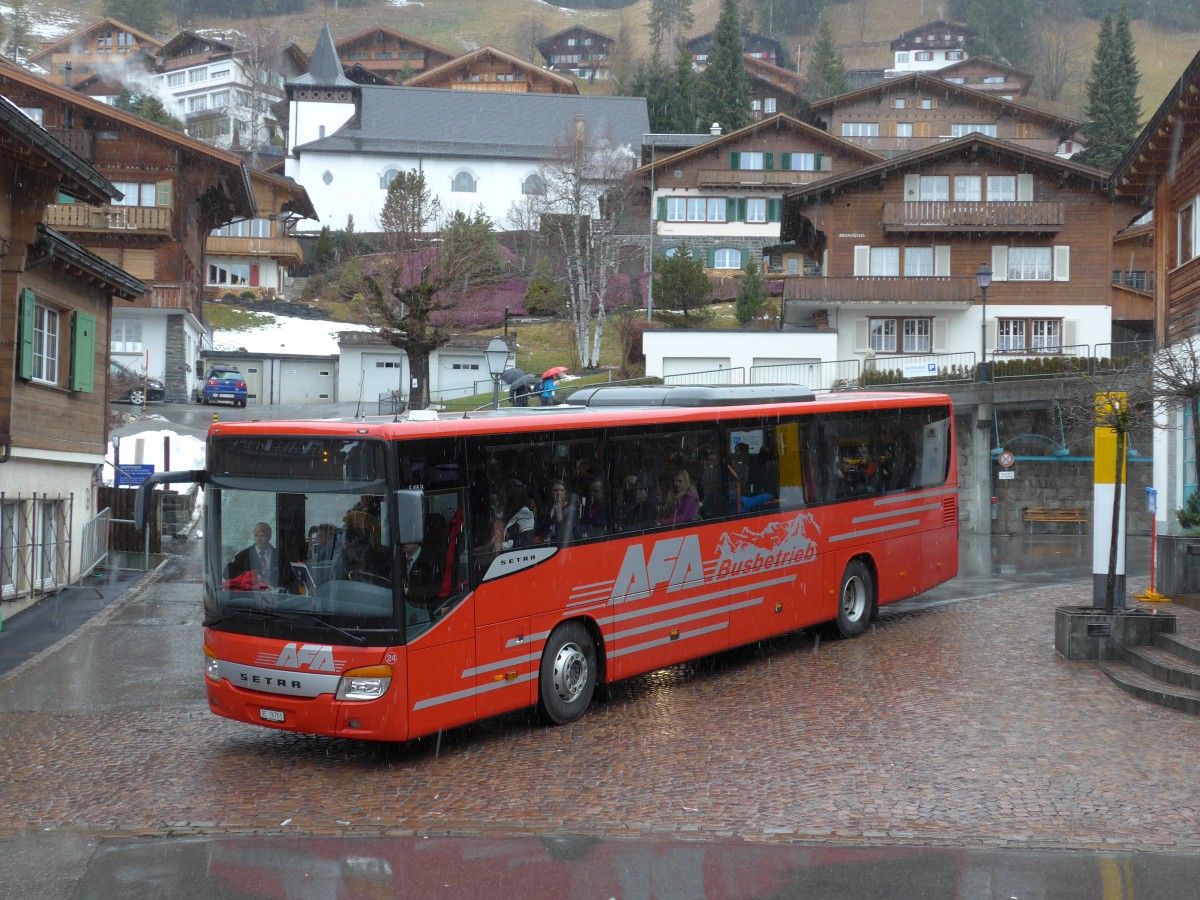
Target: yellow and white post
{"points": [[1104, 490]]}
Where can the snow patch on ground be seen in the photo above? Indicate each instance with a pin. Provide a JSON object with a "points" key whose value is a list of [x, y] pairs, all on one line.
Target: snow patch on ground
{"points": [[287, 334]]}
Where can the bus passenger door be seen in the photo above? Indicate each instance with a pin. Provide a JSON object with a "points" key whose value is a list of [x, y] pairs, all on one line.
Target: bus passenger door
{"points": [[506, 671]]}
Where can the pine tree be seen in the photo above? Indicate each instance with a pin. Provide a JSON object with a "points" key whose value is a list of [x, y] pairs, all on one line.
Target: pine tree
{"points": [[725, 88], [751, 295], [140, 14], [668, 20], [826, 74], [1112, 106], [684, 97], [683, 290]]}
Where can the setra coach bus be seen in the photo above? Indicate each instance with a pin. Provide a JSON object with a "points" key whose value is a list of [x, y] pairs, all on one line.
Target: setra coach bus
{"points": [[388, 579]]}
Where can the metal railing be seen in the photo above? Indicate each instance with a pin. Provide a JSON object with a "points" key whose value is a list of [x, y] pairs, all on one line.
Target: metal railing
{"points": [[35, 543], [733, 375], [920, 368], [819, 376], [93, 543], [1062, 362]]}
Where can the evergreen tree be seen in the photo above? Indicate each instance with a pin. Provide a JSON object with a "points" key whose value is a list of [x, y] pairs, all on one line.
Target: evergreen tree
{"points": [[1112, 105], [826, 74], [140, 14], [751, 294], [19, 30], [653, 82], [683, 290], [1004, 30], [668, 20], [684, 87], [147, 106], [725, 87], [408, 210]]}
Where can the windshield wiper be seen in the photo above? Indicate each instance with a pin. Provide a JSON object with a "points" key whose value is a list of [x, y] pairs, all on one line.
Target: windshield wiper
{"points": [[291, 615]]}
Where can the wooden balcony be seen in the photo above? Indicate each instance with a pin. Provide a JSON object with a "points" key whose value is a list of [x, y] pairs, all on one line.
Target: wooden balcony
{"points": [[895, 146], [723, 178], [949, 289], [81, 217], [285, 251], [935, 215], [80, 142], [503, 87]]}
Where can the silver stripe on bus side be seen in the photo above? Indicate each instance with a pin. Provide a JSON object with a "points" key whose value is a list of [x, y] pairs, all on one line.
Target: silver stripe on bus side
{"points": [[892, 513], [502, 664], [650, 645], [679, 620], [915, 495], [472, 692], [288, 682], [897, 526]]}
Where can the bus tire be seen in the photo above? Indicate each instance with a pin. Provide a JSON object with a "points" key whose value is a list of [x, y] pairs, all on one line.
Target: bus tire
{"points": [[567, 678], [856, 599]]}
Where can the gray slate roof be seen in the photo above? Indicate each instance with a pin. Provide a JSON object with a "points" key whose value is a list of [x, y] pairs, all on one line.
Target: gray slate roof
{"points": [[436, 122], [324, 67]]}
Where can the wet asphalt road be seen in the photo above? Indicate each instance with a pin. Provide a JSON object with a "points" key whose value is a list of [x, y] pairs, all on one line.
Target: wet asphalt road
{"points": [[949, 752]]}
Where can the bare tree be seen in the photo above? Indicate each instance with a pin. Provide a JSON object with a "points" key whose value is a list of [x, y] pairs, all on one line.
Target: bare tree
{"points": [[260, 49], [1176, 373], [417, 298], [585, 193], [526, 35], [1054, 59]]}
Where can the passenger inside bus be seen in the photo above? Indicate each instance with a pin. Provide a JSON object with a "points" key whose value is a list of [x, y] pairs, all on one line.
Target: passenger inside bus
{"points": [[682, 503], [362, 556], [558, 525], [260, 565], [518, 528], [635, 510], [593, 510]]}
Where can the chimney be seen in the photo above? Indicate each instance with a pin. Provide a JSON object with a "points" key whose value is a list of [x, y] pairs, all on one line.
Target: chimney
{"points": [[67, 74], [715, 130]]}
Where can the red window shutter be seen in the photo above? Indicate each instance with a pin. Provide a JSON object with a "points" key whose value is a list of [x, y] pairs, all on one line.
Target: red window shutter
{"points": [[253, 274]]}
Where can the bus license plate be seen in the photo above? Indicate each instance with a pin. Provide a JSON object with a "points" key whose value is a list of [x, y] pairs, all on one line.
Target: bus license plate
{"points": [[271, 715]]}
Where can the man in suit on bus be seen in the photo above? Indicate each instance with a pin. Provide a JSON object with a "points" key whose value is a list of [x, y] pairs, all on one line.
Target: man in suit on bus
{"points": [[263, 558]]}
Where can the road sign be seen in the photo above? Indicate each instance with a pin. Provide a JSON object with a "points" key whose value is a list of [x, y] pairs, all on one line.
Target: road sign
{"points": [[1006, 459], [133, 475], [1006, 475]]}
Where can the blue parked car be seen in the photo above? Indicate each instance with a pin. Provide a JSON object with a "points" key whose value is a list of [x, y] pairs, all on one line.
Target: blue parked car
{"points": [[223, 384]]}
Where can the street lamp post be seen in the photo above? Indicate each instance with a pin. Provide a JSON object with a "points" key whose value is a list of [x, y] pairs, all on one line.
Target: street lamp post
{"points": [[984, 279], [497, 360]]}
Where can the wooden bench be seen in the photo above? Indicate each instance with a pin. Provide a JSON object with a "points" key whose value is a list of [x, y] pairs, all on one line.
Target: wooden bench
{"points": [[1076, 515]]}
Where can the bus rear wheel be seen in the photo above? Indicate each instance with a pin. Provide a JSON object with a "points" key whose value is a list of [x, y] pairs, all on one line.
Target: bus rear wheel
{"points": [[568, 674], [856, 600]]}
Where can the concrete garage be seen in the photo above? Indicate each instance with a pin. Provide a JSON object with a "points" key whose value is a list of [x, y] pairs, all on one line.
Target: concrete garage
{"points": [[278, 379]]}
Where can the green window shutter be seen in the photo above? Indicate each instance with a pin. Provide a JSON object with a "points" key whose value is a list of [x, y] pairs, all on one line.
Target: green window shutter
{"points": [[63, 198], [769, 161], [774, 209], [818, 161], [25, 338], [662, 209], [741, 216], [785, 162], [710, 258], [162, 193], [735, 160], [696, 254], [83, 352], [745, 256], [735, 209]]}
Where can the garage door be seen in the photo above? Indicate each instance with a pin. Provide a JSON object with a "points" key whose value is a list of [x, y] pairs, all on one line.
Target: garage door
{"points": [[698, 370], [306, 381], [382, 373]]}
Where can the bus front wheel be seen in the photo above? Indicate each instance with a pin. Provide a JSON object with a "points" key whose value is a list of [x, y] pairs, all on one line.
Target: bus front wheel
{"points": [[856, 599], [568, 674]]}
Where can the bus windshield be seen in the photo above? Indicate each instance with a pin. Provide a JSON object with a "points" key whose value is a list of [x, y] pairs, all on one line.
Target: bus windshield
{"points": [[297, 540]]}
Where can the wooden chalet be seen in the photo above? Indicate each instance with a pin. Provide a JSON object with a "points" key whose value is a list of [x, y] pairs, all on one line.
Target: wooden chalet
{"points": [[759, 46], [722, 200], [1161, 172], [903, 240], [489, 69], [774, 89], [579, 51], [100, 48], [389, 54], [919, 110], [55, 305], [982, 74], [176, 190]]}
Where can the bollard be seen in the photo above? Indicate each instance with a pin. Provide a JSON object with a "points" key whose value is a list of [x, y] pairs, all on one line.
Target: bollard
{"points": [[214, 418]]}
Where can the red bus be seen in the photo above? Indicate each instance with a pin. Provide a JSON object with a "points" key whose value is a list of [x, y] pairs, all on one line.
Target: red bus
{"points": [[429, 571]]}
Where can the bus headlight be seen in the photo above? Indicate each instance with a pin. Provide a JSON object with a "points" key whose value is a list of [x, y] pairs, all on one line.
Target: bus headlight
{"points": [[212, 665], [368, 683]]}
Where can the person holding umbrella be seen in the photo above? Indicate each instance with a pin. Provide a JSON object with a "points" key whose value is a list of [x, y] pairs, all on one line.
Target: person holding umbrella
{"points": [[549, 383]]}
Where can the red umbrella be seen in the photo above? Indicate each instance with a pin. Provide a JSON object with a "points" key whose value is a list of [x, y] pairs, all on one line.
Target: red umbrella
{"points": [[556, 370]]}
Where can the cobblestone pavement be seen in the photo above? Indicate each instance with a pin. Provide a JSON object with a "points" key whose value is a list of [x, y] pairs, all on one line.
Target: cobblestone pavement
{"points": [[957, 725]]}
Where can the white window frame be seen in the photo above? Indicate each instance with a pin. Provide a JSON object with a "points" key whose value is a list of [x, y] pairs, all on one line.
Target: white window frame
{"points": [[769, 105], [968, 188], [756, 210], [1187, 231], [47, 343], [904, 129], [918, 262], [727, 258], [1010, 336], [962, 129], [860, 129], [885, 262], [126, 335], [195, 76], [11, 524], [1030, 264], [934, 188], [677, 209], [533, 185], [751, 161], [882, 335], [1045, 335], [1001, 188], [917, 335], [459, 183]]}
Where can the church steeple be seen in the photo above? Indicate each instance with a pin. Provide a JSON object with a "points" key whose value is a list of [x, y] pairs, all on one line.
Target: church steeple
{"points": [[324, 67], [323, 99]]}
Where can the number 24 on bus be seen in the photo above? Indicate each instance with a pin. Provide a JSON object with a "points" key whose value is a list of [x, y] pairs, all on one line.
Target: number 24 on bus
{"points": [[388, 579]]}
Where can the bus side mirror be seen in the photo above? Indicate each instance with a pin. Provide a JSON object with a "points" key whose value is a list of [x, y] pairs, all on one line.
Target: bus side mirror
{"points": [[410, 512]]}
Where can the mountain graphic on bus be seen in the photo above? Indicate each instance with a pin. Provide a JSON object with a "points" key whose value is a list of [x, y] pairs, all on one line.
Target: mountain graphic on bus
{"points": [[778, 544]]}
